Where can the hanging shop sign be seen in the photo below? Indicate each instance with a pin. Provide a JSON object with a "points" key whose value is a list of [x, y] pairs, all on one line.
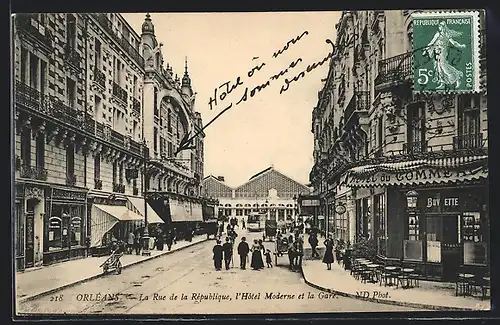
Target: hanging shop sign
{"points": [[340, 208], [418, 176]]}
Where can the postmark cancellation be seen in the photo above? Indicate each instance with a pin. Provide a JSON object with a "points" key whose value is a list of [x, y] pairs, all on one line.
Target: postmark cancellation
{"points": [[446, 52]]}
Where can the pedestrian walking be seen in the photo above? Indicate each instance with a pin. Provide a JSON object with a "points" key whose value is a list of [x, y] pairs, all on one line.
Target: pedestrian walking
{"points": [[169, 240], [137, 244], [160, 241], [130, 242], [243, 224], [217, 257], [257, 263], [243, 251], [291, 253], [299, 251], [269, 261], [313, 241], [174, 236], [227, 248], [328, 257]]}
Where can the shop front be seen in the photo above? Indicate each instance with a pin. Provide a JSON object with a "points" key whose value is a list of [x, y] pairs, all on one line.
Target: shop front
{"points": [[429, 215], [65, 224], [29, 214], [110, 220]]}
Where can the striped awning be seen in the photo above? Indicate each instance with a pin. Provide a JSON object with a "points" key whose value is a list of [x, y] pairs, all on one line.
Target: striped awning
{"points": [[422, 171]]}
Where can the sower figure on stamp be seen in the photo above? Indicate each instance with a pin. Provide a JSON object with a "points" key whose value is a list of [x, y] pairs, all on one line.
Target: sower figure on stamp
{"points": [[217, 250], [243, 251], [437, 49], [227, 248]]}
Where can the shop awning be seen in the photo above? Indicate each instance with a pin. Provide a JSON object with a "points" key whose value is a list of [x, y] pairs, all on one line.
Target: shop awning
{"points": [[418, 172], [185, 211], [104, 217], [136, 204]]}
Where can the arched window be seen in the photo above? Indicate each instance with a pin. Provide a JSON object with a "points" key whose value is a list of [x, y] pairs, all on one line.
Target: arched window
{"points": [[169, 120]]}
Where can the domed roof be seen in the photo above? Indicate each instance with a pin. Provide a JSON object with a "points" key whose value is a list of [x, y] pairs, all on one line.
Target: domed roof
{"points": [[147, 25]]}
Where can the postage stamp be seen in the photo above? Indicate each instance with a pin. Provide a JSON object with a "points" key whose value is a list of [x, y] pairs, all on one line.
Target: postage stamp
{"points": [[446, 52]]}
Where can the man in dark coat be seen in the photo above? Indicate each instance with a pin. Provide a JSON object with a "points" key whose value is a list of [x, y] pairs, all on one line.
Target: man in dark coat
{"points": [[313, 241], [243, 250], [227, 248], [170, 240], [217, 250]]}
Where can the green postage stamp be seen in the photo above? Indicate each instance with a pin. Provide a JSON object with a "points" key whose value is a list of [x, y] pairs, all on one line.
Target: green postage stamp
{"points": [[446, 52]]}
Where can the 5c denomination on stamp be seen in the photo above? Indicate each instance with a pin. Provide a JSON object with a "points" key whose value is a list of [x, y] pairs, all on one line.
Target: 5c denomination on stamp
{"points": [[446, 52]]}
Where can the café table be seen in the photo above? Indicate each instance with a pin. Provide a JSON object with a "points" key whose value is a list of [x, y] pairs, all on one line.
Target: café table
{"points": [[464, 284]]}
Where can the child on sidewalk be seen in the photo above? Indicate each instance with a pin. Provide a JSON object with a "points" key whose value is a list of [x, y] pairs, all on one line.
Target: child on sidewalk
{"points": [[268, 258]]}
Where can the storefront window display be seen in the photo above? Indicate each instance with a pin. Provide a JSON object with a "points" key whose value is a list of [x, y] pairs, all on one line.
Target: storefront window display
{"points": [[363, 215], [65, 228], [474, 244]]}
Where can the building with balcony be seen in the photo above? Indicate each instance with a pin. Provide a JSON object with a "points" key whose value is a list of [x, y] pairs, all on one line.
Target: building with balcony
{"points": [[268, 191], [376, 141], [82, 139]]}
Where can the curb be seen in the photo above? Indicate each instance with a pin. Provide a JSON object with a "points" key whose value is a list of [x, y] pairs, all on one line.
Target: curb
{"points": [[93, 277], [385, 301]]}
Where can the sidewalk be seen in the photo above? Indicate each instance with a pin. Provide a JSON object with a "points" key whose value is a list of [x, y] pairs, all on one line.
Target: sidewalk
{"points": [[430, 295], [35, 283]]}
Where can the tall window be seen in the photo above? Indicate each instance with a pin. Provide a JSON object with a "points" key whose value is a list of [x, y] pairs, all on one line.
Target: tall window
{"points": [[155, 139], [170, 151], [380, 223], [469, 129], [97, 54], [71, 92], [416, 128], [120, 174], [155, 101], [97, 166], [169, 120], [363, 214], [115, 172], [24, 65], [26, 146], [34, 71], [43, 76], [98, 107], [380, 133], [413, 240], [71, 30], [40, 151], [134, 90], [70, 160]]}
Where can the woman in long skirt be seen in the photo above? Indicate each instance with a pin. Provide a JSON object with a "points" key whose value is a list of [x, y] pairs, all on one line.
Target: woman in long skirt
{"points": [[257, 261], [328, 258]]}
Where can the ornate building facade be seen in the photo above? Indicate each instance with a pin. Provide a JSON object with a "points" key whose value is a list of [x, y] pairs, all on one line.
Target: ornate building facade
{"points": [[377, 142], [268, 191], [84, 113]]}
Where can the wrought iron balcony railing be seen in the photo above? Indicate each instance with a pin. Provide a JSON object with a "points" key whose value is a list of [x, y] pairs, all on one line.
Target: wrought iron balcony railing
{"points": [[98, 184], [396, 69], [468, 141], [33, 172], [29, 25], [360, 102], [71, 179], [107, 25], [415, 147], [31, 99], [99, 77], [72, 56], [118, 188], [136, 106], [119, 92]]}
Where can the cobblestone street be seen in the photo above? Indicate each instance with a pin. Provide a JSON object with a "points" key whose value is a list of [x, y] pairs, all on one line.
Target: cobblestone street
{"points": [[190, 272]]}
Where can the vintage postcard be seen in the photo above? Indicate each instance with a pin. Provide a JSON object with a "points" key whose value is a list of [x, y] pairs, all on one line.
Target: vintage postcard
{"points": [[250, 163]]}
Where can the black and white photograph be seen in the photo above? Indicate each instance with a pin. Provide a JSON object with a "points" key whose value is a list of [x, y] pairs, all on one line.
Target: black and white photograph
{"points": [[249, 163]]}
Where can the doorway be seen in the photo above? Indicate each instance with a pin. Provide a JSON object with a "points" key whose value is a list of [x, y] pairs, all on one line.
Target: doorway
{"points": [[29, 252], [450, 248]]}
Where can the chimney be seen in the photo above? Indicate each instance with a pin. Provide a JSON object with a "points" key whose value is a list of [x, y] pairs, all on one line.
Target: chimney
{"points": [[220, 178]]}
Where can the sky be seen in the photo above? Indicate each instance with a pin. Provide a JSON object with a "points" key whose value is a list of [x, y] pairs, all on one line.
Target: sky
{"points": [[269, 128]]}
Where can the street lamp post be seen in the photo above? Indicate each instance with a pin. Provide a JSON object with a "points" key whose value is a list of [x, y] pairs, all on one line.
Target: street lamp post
{"points": [[145, 238]]}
